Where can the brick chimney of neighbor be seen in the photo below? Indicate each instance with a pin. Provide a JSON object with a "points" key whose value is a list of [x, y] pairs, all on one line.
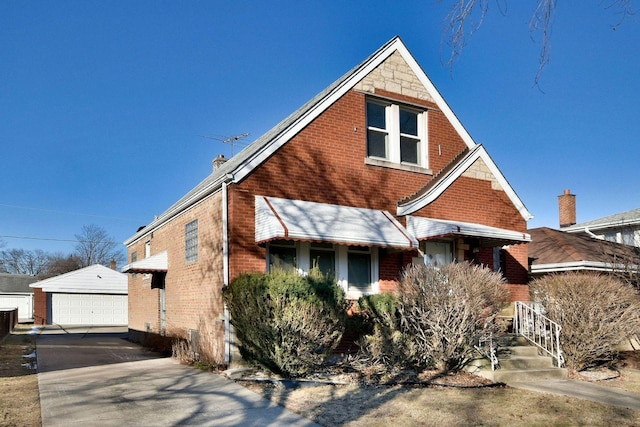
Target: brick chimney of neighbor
{"points": [[567, 206], [218, 161], [113, 264]]}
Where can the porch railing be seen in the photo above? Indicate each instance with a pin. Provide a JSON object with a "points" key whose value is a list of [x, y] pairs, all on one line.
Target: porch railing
{"points": [[539, 330], [487, 348]]}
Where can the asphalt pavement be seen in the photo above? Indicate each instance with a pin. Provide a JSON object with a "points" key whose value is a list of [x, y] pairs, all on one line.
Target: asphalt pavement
{"points": [[94, 376]]}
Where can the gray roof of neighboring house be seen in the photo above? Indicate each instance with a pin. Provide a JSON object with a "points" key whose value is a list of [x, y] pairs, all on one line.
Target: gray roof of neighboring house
{"points": [[627, 218], [556, 250], [16, 283]]}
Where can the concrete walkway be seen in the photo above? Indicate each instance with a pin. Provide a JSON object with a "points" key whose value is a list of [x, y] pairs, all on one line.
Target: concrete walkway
{"points": [[584, 390], [88, 378]]}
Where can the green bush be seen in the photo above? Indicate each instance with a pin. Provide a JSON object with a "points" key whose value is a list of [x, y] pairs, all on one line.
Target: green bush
{"points": [[286, 322], [596, 313]]}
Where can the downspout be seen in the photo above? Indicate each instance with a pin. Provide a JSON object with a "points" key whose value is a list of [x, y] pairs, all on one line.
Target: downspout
{"points": [[225, 268], [586, 230]]}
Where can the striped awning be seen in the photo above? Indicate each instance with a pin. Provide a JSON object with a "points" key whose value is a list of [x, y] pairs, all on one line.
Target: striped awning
{"points": [[287, 219], [154, 264], [428, 228]]}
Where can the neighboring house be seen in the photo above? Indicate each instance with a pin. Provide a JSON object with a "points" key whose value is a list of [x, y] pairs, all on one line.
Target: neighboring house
{"points": [[557, 251], [372, 174], [94, 295], [15, 292], [622, 227]]}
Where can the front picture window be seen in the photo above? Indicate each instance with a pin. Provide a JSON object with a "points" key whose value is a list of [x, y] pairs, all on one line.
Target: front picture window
{"points": [[282, 255], [323, 257], [359, 264]]}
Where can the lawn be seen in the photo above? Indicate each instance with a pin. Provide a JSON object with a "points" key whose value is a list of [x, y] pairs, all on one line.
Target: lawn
{"points": [[355, 405], [20, 401]]}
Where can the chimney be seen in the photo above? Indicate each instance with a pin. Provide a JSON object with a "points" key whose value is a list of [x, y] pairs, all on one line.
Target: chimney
{"points": [[218, 161], [113, 264], [567, 207]]}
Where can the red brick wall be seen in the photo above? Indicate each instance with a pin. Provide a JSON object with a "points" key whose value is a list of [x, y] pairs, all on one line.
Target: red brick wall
{"points": [[192, 291], [39, 307], [325, 163]]}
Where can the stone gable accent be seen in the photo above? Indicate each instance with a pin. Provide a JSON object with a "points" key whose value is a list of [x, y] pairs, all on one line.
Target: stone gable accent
{"points": [[479, 170], [395, 75]]}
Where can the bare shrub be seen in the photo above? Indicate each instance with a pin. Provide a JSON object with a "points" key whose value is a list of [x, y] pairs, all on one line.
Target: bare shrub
{"points": [[445, 309], [596, 312], [183, 352]]}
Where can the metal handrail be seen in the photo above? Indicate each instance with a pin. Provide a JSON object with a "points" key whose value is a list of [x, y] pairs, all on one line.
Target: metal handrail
{"points": [[539, 330], [487, 348]]}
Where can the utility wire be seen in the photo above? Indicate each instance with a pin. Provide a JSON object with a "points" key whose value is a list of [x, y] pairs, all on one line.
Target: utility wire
{"points": [[55, 240], [64, 212]]}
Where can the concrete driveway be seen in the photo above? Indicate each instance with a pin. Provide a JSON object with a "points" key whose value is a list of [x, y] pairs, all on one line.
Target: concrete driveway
{"points": [[93, 376]]}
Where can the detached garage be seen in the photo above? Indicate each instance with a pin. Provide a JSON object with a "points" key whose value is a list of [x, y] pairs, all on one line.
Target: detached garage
{"points": [[94, 295]]}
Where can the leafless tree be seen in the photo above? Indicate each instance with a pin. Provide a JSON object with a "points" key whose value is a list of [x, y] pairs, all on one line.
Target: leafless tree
{"points": [[60, 263], [21, 261], [95, 246], [466, 16]]}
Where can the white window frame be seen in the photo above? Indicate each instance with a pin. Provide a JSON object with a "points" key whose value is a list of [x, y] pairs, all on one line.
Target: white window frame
{"points": [[303, 255], [438, 253], [392, 122]]}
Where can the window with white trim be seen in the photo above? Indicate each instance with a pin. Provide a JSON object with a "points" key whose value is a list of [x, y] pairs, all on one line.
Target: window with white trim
{"points": [[437, 253], [191, 241], [282, 254], [355, 268], [396, 133], [359, 274]]}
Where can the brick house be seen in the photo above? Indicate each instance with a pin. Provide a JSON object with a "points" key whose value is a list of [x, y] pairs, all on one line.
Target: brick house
{"points": [[372, 174]]}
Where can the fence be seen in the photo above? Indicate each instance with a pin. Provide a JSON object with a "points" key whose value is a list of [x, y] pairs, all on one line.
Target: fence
{"points": [[8, 321]]}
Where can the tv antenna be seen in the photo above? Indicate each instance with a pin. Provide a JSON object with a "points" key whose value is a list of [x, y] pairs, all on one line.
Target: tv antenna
{"points": [[233, 140]]}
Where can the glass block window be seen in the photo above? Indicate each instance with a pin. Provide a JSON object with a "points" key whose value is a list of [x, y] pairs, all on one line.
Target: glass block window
{"points": [[191, 241]]}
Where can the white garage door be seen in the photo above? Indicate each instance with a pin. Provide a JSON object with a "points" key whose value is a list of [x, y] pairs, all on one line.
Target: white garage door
{"points": [[23, 302], [89, 309]]}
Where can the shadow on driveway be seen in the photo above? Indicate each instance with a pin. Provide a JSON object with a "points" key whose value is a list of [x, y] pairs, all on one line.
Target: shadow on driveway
{"points": [[96, 378], [68, 347]]}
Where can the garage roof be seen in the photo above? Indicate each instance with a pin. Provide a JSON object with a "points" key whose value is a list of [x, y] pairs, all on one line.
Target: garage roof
{"points": [[95, 279]]}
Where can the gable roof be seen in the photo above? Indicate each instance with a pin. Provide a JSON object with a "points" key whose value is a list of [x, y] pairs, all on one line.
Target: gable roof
{"points": [[434, 188], [95, 279], [16, 283], [239, 166], [555, 250], [623, 219]]}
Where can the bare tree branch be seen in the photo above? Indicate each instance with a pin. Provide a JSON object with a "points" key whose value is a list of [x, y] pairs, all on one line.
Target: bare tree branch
{"points": [[466, 16]]}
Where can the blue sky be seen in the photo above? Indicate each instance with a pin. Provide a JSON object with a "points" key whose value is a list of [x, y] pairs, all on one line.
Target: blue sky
{"points": [[103, 104]]}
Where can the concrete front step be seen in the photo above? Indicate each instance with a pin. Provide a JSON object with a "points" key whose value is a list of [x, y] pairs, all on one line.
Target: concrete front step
{"points": [[519, 361], [526, 362], [518, 351], [519, 375]]}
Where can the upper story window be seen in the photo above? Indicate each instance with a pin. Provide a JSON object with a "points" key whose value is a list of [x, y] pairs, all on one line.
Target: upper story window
{"points": [[396, 133], [191, 241]]}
